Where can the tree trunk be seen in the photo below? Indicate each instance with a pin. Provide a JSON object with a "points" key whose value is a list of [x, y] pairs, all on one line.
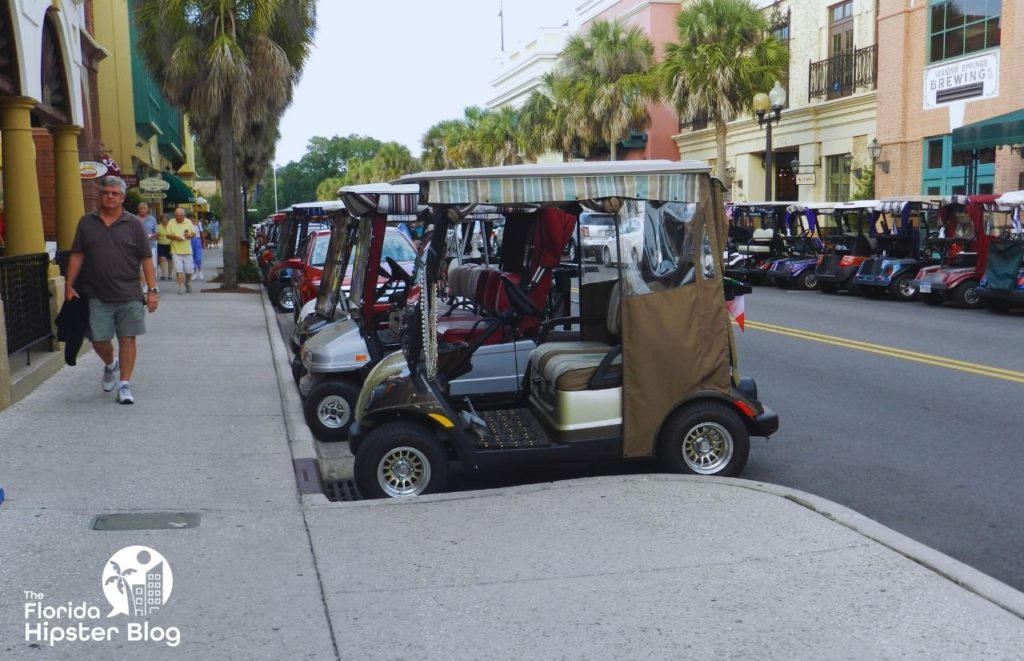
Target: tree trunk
{"points": [[231, 228], [720, 135], [613, 152]]}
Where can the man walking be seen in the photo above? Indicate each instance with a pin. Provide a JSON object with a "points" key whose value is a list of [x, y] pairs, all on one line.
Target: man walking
{"points": [[108, 248], [149, 225], [180, 231]]}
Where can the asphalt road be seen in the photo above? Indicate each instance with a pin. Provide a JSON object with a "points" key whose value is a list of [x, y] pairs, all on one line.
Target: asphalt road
{"points": [[908, 414], [929, 447]]}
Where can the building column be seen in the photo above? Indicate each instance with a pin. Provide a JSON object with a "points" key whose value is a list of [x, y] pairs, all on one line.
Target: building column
{"points": [[23, 214], [70, 204]]}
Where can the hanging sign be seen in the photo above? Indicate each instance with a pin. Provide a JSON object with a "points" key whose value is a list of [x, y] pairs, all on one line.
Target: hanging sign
{"points": [[130, 180], [91, 169], [805, 179], [154, 185]]}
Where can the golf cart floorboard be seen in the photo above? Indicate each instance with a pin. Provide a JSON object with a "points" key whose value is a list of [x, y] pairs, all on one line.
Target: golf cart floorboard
{"points": [[512, 429]]}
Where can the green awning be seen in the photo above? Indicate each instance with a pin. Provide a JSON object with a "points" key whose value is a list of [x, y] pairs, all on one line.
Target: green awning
{"points": [[179, 192], [996, 131]]}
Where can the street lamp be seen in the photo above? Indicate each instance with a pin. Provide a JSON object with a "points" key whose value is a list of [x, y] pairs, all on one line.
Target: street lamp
{"points": [[875, 152], [763, 103]]}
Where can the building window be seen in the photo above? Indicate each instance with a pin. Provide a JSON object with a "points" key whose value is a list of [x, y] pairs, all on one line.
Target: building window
{"points": [[960, 27], [837, 179]]}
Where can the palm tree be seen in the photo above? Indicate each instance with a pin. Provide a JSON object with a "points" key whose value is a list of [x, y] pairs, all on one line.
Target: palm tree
{"points": [[500, 139], [231, 65], [392, 161], [543, 122], [723, 57], [605, 80]]}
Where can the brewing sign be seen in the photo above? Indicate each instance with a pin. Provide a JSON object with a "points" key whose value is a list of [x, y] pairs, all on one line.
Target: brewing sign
{"points": [[968, 79]]}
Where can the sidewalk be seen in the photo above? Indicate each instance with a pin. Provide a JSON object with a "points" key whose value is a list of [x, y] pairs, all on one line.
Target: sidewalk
{"points": [[613, 567]]}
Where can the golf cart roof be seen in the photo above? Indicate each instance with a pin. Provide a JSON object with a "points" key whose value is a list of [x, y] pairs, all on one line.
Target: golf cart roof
{"points": [[1013, 197], [856, 204], [365, 199], [325, 206], [817, 206], [897, 203], [562, 182], [761, 204]]}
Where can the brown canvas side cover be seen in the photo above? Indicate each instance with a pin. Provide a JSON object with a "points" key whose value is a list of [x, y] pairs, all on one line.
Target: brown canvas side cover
{"points": [[676, 341]]}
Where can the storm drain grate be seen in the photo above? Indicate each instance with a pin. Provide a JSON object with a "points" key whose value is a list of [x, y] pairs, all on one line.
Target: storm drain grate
{"points": [[147, 521], [341, 491]]}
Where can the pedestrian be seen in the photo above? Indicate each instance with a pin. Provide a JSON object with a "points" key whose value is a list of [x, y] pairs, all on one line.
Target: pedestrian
{"points": [[180, 231], [108, 249], [149, 224], [215, 232], [163, 249], [197, 251]]}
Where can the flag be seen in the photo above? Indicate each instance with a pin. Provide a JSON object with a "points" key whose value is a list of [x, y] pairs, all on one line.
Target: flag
{"points": [[737, 309], [1016, 220]]}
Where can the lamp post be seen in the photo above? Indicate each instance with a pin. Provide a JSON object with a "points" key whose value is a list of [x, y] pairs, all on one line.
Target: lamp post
{"points": [[763, 104]]}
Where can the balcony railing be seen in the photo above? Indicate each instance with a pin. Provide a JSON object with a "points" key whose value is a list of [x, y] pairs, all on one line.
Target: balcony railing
{"points": [[843, 74]]}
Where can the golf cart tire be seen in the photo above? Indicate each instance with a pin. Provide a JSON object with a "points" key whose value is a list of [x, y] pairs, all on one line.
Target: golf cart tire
{"points": [[966, 295], [900, 287], [410, 444], [280, 296], [320, 409], [691, 423], [807, 280], [828, 287]]}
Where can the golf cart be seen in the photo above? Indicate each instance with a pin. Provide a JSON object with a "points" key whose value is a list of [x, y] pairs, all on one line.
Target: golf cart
{"points": [[1002, 288], [904, 247], [336, 359], [759, 232], [651, 373], [815, 220], [852, 242], [964, 246], [300, 220]]}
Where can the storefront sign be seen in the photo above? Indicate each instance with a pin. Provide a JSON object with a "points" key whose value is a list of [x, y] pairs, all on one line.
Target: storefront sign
{"points": [[969, 79], [130, 180], [153, 197], [805, 179], [91, 169], [154, 185]]}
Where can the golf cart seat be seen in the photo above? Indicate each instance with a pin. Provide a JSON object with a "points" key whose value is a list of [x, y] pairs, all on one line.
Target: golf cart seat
{"points": [[572, 366], [760, 242]]}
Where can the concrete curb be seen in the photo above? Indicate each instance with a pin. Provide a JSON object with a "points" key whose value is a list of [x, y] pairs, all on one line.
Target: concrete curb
{"points": [[966, 577], [300, 439]]}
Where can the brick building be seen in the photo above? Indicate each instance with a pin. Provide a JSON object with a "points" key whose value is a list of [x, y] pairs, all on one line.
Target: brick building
{"points": [[946, 66]]}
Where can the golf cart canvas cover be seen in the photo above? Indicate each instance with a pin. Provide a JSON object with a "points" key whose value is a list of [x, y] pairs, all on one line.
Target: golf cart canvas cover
{"points": [[675, 330]]}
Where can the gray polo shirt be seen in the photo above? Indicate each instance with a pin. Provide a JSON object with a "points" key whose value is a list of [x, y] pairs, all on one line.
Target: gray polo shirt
{"points": [[111, 257]]}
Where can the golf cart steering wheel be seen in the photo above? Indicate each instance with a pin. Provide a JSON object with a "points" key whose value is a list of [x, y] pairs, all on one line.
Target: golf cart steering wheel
{"points": [[519, 300], [397, 272]]}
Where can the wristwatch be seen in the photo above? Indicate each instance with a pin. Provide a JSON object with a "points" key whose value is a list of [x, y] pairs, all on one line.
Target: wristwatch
{"points": [[154, 290]]}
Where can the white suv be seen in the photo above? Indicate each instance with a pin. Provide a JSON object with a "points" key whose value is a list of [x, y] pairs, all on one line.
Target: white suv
{"points": [[598, 230]]}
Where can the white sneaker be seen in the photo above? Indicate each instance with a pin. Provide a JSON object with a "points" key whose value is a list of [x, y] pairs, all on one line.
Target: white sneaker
{"points": [[110, 375], [124, 394]]}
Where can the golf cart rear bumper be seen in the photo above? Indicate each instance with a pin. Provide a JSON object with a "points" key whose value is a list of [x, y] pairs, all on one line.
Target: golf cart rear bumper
{"points": [[765, 424]]}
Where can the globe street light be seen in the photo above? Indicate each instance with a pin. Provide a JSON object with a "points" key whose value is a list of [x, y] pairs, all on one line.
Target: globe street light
{"points": [[763, 103]]}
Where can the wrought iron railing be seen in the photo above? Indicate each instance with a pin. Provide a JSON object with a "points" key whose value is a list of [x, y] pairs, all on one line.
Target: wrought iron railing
{"points": [[842, 74], [26, 296]]}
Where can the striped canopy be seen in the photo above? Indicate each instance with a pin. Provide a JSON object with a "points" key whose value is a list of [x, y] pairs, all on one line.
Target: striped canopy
{"points": [[368, 199], [667, 181]]}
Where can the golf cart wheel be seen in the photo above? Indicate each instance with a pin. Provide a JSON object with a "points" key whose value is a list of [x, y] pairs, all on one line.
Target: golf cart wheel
{"points": [[329, 410], [966, 295], [298, 369], [705, 438], [932, 299], [400, 460], [903, 289], [828, 287], [606, 255], [281, 296], [807, 280]]}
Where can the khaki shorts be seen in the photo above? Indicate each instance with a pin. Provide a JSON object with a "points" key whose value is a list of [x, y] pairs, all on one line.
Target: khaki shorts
{"points": [[184, 264], [106, 320]]}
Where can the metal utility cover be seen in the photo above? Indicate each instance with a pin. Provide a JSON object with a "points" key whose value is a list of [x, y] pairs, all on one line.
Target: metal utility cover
{"points": [[146, 521]]}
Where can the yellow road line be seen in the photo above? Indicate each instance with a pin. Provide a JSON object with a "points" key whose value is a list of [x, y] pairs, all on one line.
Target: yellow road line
{"points": [[913, 356]]}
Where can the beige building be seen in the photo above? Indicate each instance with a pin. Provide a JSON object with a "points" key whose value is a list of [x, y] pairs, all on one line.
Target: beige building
{"points": [[949, 65], [819, 145]]}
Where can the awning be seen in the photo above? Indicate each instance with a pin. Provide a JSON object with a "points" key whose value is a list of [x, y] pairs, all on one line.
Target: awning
{"points": [[996, 131], [179, 192]]}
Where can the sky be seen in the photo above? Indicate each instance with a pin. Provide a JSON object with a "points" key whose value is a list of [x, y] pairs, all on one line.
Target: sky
{"points": [[390, 70]]}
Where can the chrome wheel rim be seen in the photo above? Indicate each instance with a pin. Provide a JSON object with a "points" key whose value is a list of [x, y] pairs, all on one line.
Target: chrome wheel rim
{"points": [[707, 448], [906, 287], [334, 412], [403, 471], [971, 296], [286, 299], [810, 281]]}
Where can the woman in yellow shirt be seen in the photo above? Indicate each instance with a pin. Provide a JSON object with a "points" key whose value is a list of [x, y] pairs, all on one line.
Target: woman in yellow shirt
{"points": [[163, 249]]}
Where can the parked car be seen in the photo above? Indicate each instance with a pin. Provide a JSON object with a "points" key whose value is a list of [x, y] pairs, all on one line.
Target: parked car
{"points": [[1002, 288], [964, 246], [602, 235], [904, 247], [307, 268]]}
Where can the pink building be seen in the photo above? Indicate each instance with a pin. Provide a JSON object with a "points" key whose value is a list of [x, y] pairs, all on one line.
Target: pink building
{"points": [[657, 18]]}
